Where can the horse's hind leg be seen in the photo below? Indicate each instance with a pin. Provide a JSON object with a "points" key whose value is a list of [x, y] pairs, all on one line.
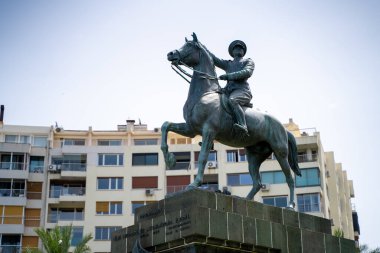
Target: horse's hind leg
{"points": [[179, 128], [255, 159], [282, 158]]}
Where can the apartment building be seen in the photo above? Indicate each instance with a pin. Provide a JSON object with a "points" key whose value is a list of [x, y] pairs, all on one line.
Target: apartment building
{"points": [[95, 180], [23, 179]]}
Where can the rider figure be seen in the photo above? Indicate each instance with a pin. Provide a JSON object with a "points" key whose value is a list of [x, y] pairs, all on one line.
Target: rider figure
{"points": [[237, 89]]}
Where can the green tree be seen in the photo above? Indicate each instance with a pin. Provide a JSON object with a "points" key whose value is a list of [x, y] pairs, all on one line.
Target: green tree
{"points": [[58, 240]]}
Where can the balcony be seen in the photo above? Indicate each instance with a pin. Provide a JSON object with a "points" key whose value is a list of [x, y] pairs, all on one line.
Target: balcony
{"points": [[73, 169], [70, 194], [180, 166], [13, 170], [12, 197], [65, 217], [305, 158], [10, 248]]}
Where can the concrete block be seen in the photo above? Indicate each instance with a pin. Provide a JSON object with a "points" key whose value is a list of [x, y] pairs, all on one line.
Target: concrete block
{"points": [[290, 218], [239, 206], [279, 237], [255, 209], [332, 244], [249, 230], [264, 233], [294, 239], [347, 246], [235, 227], [218, 224], [312, 242], [223, 202]]}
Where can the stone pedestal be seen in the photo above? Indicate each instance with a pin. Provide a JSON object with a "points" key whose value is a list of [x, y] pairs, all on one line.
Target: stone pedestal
{"points": [[203, 221]]}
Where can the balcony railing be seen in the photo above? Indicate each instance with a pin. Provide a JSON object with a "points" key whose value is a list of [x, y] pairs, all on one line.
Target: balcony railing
{"points": [[12, 166], [65, 216], [67, 191], [12, 193], [10, 249], [175, 188], [73, 167], [180, 166], [306, 158], [36, 169]]}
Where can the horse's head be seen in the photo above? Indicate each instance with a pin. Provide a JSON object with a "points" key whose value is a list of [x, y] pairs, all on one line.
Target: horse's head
{"points": [[188, 53]]}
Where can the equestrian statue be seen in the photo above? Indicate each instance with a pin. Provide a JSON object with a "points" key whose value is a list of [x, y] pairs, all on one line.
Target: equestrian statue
{"points": [[225, 115]]}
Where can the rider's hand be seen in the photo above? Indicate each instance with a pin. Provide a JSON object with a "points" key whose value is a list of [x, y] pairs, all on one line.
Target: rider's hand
{"points": [[223, 77]]}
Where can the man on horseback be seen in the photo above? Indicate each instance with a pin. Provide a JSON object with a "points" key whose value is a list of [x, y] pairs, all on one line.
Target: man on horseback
{"points": [[237, 89]]}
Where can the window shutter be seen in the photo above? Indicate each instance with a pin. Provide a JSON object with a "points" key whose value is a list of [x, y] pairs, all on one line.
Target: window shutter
{"points": [[13, 214], [102, 207], [32, 217]]}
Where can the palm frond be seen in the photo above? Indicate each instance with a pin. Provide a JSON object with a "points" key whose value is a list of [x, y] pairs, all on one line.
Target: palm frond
{"points": [[82, 246]]}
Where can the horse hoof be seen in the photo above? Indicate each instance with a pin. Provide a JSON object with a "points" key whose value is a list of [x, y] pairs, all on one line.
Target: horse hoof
{"points": [[190, 187]]}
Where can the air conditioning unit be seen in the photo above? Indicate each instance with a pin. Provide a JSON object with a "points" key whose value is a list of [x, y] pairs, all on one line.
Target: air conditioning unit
{"points": [[265, 187], [149, 192], [54, 168], [212, 164]]}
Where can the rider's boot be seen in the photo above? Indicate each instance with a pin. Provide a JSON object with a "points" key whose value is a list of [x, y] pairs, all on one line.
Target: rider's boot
{"points": [[240, 126]]}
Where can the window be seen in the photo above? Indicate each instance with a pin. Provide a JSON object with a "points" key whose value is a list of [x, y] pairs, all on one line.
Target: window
{"points": [[110, 159], [25, 139], [273, 177], [104, 233], [279, 201], [11, 138], [77, 235], [36, 164], [32, 217], [308, 202], [11, 214], [140, 142], [40, 141], [109, 208], [310, 177], [110, 183], [212, 157], [145, 159], [183, 161], [176, 183], [144, 182], [239, 179], [109, 142], [73, 142], [234, 156]]}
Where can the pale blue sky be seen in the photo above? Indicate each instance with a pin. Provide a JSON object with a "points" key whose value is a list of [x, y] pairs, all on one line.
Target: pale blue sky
{"points": [[98, 63]]}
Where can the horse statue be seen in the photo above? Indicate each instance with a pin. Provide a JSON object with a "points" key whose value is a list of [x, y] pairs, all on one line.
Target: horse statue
{"points": [[207, 114]]}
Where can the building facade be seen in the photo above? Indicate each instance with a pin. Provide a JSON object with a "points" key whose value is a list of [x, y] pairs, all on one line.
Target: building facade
{"points": [[95, 180]]}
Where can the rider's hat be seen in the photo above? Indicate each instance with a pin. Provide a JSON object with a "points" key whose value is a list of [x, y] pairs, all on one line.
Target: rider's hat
{"points": [[237, 43]]}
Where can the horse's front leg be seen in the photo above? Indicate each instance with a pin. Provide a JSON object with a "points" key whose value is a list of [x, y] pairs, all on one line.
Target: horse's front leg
{"points": [[179, 128], [208, 136]]}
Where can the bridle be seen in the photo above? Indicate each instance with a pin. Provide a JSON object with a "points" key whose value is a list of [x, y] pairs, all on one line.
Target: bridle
{"points": [[178, 69]]}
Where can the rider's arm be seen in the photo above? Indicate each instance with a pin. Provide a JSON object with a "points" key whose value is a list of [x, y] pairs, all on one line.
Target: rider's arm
{"points": [[245, 73], [220, 63]]}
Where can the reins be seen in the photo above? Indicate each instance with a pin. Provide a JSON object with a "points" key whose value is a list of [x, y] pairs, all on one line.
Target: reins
{"points": [[204, 75]]}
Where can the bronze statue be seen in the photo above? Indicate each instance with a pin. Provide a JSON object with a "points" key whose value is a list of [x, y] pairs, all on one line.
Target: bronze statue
{"points": [[207, 113], [237, 89]]}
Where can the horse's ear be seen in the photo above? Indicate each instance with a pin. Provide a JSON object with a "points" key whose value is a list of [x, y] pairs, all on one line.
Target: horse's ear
{"points": [[186, 39], [195, 39]]}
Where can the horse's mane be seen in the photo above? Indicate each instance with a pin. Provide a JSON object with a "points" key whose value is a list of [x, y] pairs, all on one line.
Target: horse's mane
{"points": [[208, 54]]}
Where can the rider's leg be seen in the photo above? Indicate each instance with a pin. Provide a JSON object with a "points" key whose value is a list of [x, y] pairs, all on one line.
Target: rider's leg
{"points": [[240, 124], [238, 98]]}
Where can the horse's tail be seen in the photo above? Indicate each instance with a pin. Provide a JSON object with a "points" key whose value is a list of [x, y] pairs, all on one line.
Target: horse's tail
{"points": [[293, 155]]}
